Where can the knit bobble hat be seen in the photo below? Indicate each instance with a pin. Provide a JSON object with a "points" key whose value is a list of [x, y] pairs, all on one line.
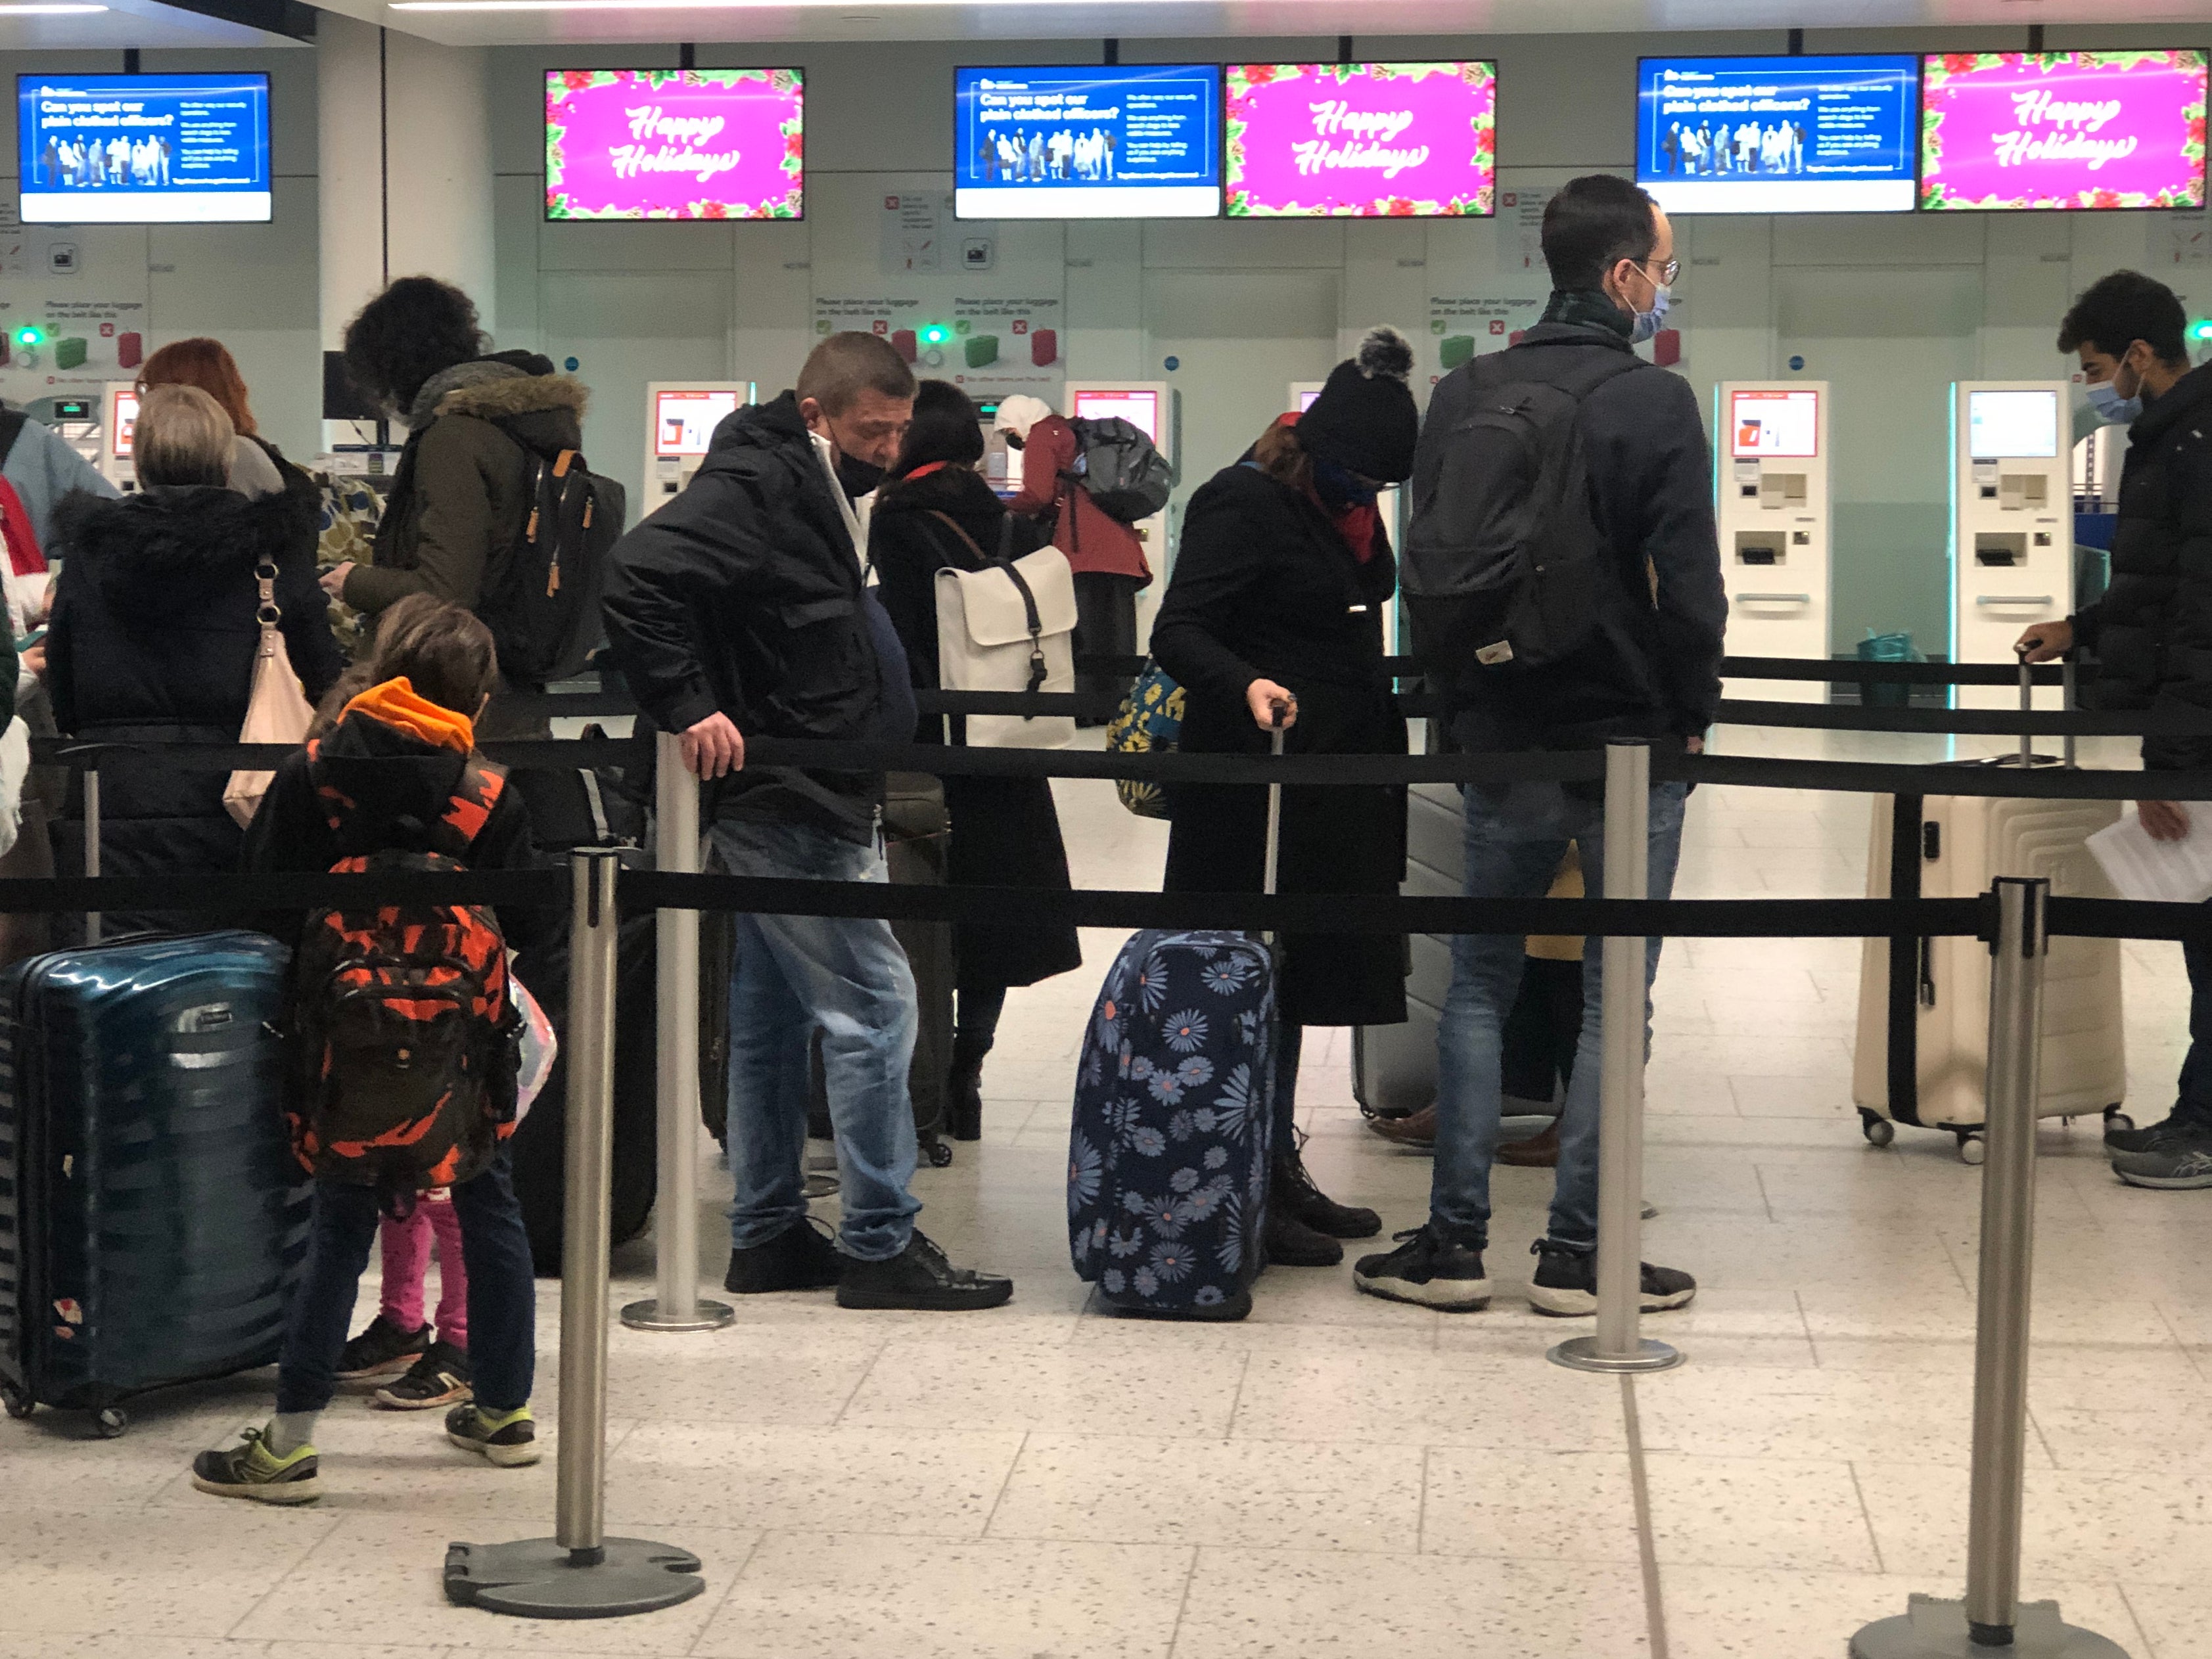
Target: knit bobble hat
{"points": [[1364, 418]]}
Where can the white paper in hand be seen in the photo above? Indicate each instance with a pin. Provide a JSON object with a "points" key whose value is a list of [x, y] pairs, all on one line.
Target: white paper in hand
{"points": [[2174, 872]]}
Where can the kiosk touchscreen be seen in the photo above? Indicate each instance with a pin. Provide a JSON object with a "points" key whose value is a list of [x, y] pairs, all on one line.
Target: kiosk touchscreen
{"points": [[2011, 522], [1771, 502], [1150, 407], [117, 431], [681, 416], [1390, 504]]}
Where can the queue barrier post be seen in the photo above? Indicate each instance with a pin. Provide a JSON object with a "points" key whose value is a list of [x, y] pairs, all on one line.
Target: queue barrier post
{"points": [[676, 1305], [579, 1572], [1618, 1345], [1992, 1620], [92, 842]]}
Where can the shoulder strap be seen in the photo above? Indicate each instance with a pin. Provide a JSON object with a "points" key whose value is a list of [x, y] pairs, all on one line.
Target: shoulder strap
{"points": [[953, 524]]}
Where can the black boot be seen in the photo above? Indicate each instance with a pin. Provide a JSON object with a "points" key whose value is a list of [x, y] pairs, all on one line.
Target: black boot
{"points": [[963, 1098], [1292, 1192], [1291, 1243]]}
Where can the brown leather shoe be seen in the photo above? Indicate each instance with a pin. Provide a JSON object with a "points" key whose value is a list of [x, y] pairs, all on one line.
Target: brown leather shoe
{"points": [[1417, 1132], [1542, 1152]]}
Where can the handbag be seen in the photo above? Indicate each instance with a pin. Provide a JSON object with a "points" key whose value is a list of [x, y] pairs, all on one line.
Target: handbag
{"points": [[1009, 626], [1149, 723], [276, 709]]}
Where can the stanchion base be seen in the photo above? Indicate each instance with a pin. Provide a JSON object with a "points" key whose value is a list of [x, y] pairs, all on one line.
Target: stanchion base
{"points": [[536, 1579], [1932, 1629], [1580, 1354], [704, 1316]]}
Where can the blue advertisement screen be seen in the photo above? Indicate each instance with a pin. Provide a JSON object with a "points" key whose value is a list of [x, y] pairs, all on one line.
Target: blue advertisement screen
{"points": [[143, 149], [1778, 135], [1126, 142]]}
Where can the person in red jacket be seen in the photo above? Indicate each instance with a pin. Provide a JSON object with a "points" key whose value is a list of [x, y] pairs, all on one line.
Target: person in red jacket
{"points": [[1107, 555]]}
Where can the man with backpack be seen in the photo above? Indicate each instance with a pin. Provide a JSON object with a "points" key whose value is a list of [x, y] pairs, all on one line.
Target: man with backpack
{"points": [[1563, 578], [739, 612], [1089, 484]]}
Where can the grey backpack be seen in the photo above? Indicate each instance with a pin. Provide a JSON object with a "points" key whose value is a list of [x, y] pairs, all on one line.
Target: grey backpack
{"points": [[1121, 469]]}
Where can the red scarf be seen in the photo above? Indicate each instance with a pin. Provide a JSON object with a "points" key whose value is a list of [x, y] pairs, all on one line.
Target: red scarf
{"points": [[24, 558], [924, 470], [1357, 526]]}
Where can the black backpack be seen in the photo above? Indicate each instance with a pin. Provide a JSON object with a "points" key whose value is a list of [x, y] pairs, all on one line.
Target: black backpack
{"points": [[1505, 570], [1120, 468], [541, 596]]}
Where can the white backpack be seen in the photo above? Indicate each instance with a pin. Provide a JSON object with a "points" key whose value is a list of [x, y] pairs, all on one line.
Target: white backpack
{"points": [[1008, 626]]}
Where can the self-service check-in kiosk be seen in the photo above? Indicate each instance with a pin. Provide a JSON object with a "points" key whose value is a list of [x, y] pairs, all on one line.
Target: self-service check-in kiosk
{"points": [[1150, 407], [74, 420], [1771, 505], [681, 416], [2011, 522], [1390, 504], [117, 428]]}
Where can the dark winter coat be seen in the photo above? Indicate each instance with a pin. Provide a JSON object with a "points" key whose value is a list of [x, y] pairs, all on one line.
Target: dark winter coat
{"points": [[743, 595], [1006, 831], [1652, 669], [152, 642], [2152, 631], [462, 493], [1264, 588]]}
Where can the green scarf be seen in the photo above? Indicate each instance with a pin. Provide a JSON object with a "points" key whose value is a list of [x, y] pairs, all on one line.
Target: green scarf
{"points": [[1588, 308]]}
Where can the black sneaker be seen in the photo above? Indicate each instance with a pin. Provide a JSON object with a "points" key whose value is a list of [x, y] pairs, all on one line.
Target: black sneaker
{"points": [[2179, 1161], [382, 1350], [510, 1440], [1564, 1285], [440, 1378], [1429, 1271], [2148, 1139], [1291, 1191], [250, 1470], [919, 1277], [800, 1258]]}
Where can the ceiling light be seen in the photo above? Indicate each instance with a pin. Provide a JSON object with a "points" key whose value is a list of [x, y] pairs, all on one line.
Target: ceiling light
{"points": [[710, 5], [46, 8]]}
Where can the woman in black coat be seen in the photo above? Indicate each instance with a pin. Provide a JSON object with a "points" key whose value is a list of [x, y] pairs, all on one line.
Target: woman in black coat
{"points": [[936, 513], [1277, 601], [154, 632]]}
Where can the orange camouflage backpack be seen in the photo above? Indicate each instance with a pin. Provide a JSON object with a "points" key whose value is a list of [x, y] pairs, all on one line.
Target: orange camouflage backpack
{"points": [[406, 1042]]}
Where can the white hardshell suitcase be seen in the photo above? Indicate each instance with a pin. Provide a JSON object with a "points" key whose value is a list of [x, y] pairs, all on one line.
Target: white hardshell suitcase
{"points": [[1935, 1011], [1393, 1067]]}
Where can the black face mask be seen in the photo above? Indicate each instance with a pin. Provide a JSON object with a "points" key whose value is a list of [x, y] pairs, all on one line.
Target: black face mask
{"points": [[859, 477]]}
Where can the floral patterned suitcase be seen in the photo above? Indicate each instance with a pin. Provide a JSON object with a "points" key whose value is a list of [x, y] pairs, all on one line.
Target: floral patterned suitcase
{"points": [[1167, 1168]]}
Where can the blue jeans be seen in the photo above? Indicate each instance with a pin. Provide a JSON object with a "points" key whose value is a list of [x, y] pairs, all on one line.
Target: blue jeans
{"points": [[1516, 835], [849, 979], [502, 1293]]}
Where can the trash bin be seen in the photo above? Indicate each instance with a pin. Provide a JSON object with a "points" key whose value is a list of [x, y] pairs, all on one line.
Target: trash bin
{"points": [[1886, 648]]}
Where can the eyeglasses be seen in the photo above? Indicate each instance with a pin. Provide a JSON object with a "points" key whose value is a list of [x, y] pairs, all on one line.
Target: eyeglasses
{"points": [[1667, 273]]}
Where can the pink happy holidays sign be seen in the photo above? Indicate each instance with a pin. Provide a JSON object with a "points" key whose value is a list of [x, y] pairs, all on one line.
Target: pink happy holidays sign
{"points": [[2070, 129], [1361, 140], [720, 143]]}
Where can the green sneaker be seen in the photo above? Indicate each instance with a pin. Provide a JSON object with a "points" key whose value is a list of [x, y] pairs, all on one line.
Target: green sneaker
{"points": [[509, 1439], [250, 1470]]}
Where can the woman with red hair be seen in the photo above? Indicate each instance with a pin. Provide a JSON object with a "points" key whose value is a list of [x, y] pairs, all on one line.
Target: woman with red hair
{"points": [[258, 468]]}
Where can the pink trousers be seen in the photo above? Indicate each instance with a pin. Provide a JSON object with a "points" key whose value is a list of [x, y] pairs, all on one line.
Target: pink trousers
{"points": [[407, 1261]]}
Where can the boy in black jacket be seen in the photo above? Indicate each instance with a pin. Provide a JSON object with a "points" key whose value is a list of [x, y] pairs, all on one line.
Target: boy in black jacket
{"points": [[399, 764]]}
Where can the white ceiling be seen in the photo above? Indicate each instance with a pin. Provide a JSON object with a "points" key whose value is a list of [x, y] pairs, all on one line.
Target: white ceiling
{"points": [[516, 23], [127, 23]]}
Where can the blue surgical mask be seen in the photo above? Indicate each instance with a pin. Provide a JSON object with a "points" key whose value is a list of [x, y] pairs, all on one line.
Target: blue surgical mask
{"points": [[2112, 409], [1339, 488], [1647, 322]]}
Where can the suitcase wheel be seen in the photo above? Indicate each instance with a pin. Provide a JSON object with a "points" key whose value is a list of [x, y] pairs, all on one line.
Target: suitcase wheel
{"points": [[1878, 1129], [110, 1422], [1972, 1149], [19, 1404], [2117, 1119], [939, 1152]]}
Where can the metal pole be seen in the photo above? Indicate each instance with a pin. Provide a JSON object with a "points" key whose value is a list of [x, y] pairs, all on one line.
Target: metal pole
{"points": [[92, 843], [676, 1305], [2066, 701], [2026, 706], [1992, 1620], [579, 1572], [594, 927], [1618, 1344]]}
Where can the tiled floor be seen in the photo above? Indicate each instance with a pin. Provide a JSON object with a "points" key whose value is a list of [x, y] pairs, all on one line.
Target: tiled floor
{"points": [[1337, 1478]]}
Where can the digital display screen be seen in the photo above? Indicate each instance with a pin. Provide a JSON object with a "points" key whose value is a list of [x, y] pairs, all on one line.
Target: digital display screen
{"points": [[1306, 400], [1110, 141], [125, 406], [1139, 409], [142, 149], [1363, 141], [2019, 131], [683, 423], [1774, 425], [1777, 135], [716, 143], [2012, 425]]}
